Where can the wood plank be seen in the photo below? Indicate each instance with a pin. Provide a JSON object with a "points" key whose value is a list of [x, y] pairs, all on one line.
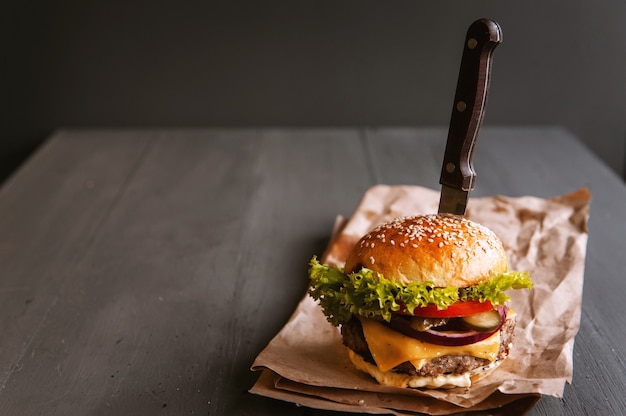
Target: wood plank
{"points": [[50, 212], [151, 316]]}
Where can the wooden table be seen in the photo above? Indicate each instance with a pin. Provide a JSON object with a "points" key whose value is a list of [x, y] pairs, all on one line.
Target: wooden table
{"points": [[142, 271]]}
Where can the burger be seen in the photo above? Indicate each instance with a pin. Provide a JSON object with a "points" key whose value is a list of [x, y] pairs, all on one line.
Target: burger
{"points": [[421, 301]]}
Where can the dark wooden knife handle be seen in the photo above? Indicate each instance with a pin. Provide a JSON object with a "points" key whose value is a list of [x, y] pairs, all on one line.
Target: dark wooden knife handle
{"points": [[469, 104]]}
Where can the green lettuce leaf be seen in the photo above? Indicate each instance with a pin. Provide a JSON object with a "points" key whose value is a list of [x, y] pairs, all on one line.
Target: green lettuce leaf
{"points": [[363, 293]]}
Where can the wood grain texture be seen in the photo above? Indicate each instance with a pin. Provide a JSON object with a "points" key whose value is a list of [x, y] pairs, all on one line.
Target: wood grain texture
{"points": [[141, 271]]}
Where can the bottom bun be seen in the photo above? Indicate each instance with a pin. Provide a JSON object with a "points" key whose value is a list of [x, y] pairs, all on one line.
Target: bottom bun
{"points": [[444, 381]]}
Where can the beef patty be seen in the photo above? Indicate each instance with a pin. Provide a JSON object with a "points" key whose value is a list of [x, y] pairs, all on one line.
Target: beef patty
{"points": [[353, 338]]}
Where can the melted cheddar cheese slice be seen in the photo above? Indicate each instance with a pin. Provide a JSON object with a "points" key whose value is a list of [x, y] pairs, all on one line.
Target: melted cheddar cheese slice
{"points": [[390, 348]]}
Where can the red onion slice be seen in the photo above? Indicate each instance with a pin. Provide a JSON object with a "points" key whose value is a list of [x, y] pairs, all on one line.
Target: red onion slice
{"points": [[448, 338]]}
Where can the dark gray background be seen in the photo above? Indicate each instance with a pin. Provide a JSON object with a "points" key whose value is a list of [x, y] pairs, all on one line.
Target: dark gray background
{"points": [[304, 63]]}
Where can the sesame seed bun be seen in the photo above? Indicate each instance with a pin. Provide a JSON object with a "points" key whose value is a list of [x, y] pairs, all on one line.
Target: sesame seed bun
{"points": [[447, 250]]}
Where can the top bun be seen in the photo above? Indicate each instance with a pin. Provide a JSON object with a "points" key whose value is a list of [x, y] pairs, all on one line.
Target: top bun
{"points": [[447, 250]]}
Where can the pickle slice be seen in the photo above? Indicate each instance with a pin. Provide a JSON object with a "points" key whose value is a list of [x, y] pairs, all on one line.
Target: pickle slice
{"points": [[422, 324], [484, 321]]}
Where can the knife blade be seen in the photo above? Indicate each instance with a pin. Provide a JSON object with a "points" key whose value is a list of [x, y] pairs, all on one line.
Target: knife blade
{"points": [[457, 172]]}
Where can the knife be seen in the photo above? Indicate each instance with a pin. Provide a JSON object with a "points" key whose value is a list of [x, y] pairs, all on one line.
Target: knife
{"points": [[457, 172]]}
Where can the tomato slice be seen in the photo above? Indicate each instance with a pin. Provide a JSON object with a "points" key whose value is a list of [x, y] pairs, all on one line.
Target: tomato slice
{"points": [[457, 309]]}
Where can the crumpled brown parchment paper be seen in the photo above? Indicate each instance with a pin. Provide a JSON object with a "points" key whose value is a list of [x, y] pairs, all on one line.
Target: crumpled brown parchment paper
{"points": [[306, 363]]}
